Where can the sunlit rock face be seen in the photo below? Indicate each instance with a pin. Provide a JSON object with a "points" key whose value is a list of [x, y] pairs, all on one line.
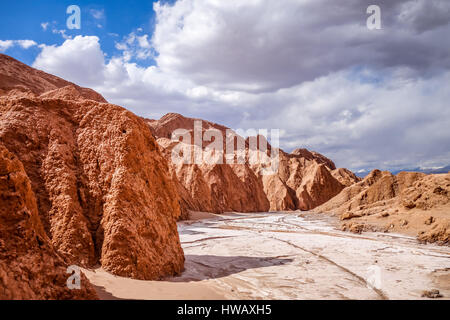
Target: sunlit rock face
{"points": [[102, 187], [303, 179], [30, 267]]}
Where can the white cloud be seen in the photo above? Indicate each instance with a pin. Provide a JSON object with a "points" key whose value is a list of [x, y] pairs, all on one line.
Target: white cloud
{"points": [[135, 46], [264, 45], [365, 99], [79, 59], [62, 33], [143, 42], [363, 125], [5, 45], [44, 25], [121, 46], [26, 44], [97, 14]]}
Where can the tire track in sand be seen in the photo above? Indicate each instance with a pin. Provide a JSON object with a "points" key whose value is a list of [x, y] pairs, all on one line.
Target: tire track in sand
{"points": [[360, 279]]}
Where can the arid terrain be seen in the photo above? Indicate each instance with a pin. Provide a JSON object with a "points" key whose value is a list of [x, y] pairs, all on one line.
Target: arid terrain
{"points": [[88, 183], [290, 256]]}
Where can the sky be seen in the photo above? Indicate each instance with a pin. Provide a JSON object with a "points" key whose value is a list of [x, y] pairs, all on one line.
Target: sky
{"points": [[366, 98]]}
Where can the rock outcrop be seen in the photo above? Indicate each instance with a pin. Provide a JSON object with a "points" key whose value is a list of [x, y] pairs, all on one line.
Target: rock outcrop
{"points": [[216, 188], [18, 79], [380, 190], [398, 202], [345, 176], [164, 127], [30, 268], [207, 187], [303, 180], [103, 189]]}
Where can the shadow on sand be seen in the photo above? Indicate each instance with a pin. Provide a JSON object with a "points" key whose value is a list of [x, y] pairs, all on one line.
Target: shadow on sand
{"points": [[203, 267], [105, 295]]}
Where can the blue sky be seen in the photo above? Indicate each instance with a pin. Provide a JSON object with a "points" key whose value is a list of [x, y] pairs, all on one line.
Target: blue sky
{"points": [[312, 68], [109, 20]]}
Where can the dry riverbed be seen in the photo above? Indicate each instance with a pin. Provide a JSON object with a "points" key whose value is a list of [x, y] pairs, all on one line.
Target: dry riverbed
{"points": [[287, 256]]}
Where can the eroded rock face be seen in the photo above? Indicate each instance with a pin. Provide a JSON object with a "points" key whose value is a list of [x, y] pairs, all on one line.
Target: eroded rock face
{"points": [[303, 180], [422, 191], [345, 176], [101, 183], [216, 188], [206, 187], [404, 201], [440, 233], [103, 189], [30, 268], [407, 190], [18, 79], [164, 127]]}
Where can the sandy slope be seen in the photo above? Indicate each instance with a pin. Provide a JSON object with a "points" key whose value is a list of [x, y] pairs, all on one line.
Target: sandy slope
{"points": [[284, 256]]}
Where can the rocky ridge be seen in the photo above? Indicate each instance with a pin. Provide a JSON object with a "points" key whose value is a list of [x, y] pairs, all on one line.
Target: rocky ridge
{"points": [[30, 267], [409, 202], [303, 180], [101, 184]]}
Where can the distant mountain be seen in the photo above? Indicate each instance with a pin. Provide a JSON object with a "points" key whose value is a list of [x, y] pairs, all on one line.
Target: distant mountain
{"points": [[445, 169]]}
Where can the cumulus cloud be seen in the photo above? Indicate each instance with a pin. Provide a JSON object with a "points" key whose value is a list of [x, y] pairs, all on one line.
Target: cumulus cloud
{"points": [[5, 45], [136, 45], [25, 44], [364, 125], [365, 98], [267, 45], [426, 15], [80, 60]]}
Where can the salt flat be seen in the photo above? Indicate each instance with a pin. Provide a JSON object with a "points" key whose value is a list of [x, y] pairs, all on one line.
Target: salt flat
{"points": [[290, 256]]}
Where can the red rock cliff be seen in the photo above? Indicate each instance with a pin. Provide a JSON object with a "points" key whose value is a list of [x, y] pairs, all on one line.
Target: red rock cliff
{"points": [[30, 268], [102, 186], [303, 180]]}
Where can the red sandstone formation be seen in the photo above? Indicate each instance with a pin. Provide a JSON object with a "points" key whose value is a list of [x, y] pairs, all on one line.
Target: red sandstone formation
{"points": [[345, 176], [205, 187], [30, 268], [404, 191], [18, 79], [217, 188], [407, 202], [164, 127], [103, 190], [303, 181]]}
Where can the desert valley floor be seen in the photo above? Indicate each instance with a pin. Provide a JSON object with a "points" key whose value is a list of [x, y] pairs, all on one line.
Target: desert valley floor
{"points": [[289, 256]]}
